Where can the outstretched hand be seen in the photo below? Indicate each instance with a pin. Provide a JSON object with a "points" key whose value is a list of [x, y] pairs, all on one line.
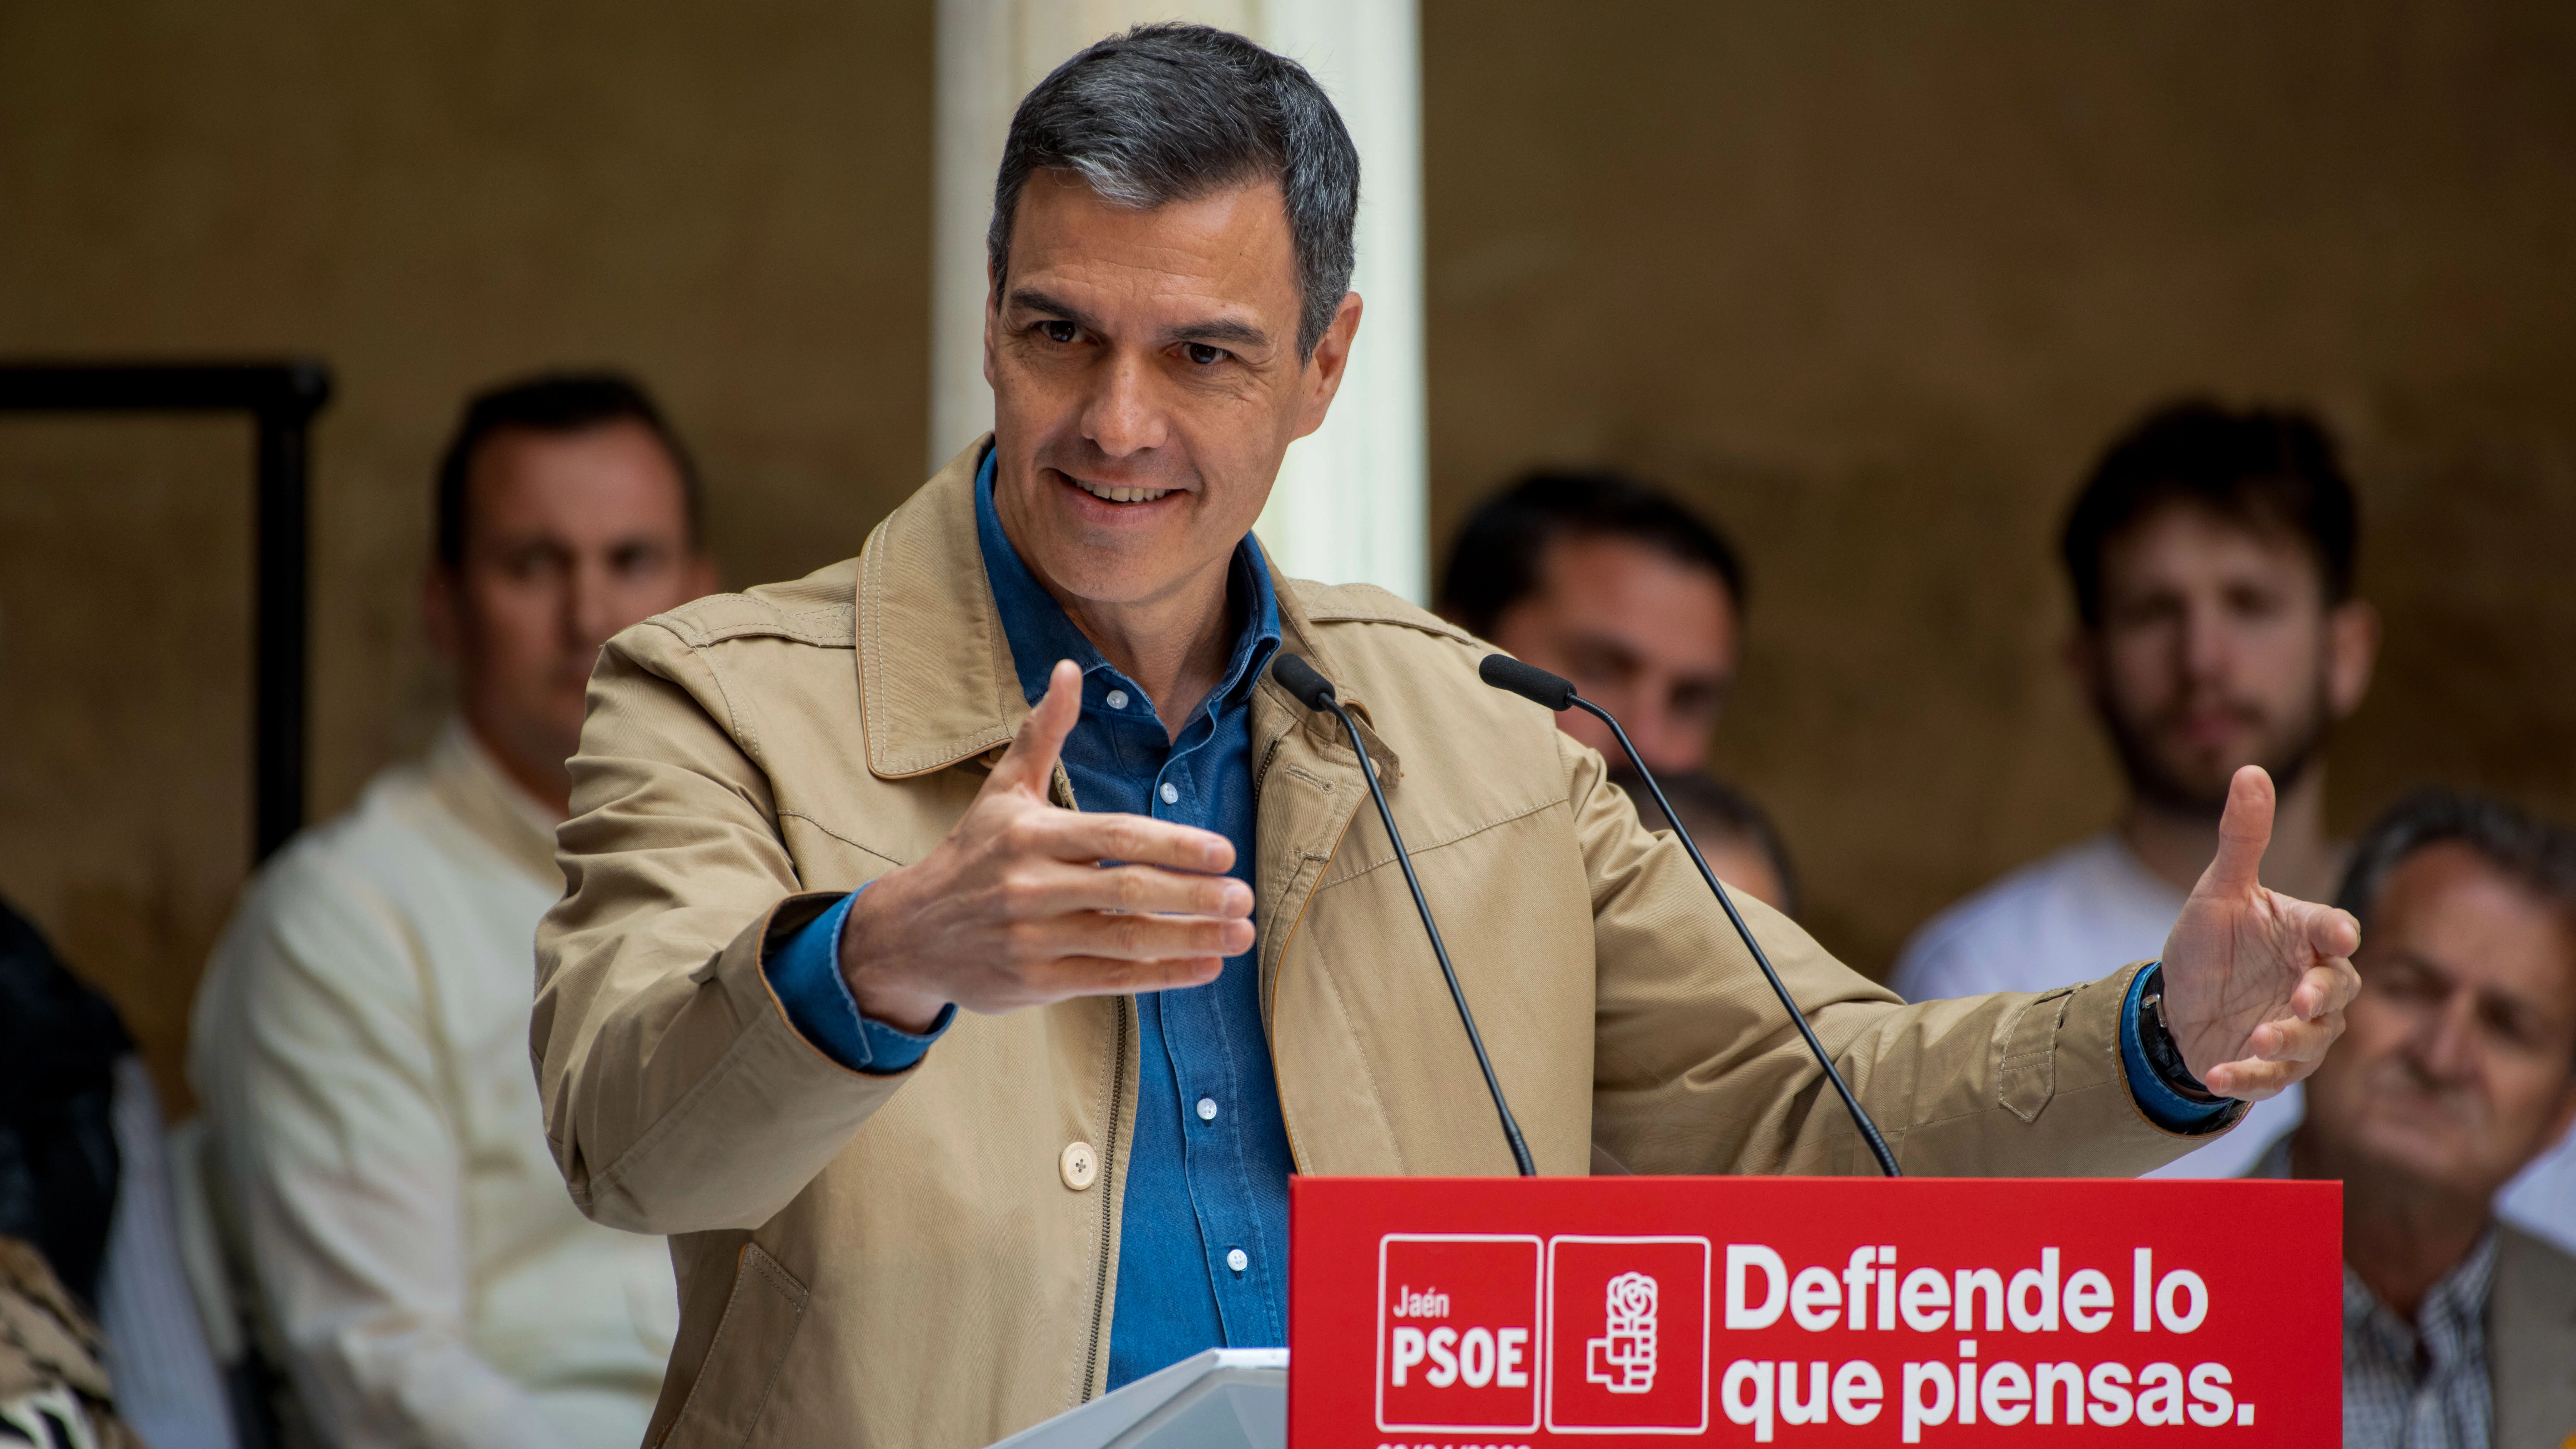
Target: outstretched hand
{"points": [[2255, 981], [1015, 906]]}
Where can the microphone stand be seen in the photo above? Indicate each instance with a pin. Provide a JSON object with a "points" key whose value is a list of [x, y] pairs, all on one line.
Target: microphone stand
{"points": [[1316, 692], [1536, 684]]}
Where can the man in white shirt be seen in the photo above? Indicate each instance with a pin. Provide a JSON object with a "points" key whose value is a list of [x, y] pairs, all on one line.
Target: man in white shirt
{"points": [[360, 1041], [2211, 555]]}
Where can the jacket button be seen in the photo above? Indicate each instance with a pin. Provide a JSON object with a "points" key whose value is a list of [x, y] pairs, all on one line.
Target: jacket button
{"points": [[1080, 1165]]}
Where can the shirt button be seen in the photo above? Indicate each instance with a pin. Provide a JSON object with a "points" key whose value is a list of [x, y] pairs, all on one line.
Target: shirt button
{"points": [[1237, 1259], [1080, 1166], [1171, 793], [1207, 1109], [1117, 699]]}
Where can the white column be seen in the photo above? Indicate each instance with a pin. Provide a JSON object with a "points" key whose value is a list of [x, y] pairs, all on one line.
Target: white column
{"points": [[1352, 501]]}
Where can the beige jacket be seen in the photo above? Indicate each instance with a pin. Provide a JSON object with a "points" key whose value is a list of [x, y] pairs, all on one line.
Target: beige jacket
{"points": [[903, 1260], [2531, 1342]]}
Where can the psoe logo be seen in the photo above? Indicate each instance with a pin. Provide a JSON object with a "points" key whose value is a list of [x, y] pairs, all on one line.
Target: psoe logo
{"points": [[1622, 1359], [1627, 1335]]}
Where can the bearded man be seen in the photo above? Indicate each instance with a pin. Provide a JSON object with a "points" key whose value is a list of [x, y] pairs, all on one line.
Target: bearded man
{"points": [[1024, 756], [2211, 555]]}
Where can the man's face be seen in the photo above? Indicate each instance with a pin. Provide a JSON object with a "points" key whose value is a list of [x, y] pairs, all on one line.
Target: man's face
{"points": [[2217, 650], [569, 538], [1641, 633], [2458, 1059], [1146, 383]]}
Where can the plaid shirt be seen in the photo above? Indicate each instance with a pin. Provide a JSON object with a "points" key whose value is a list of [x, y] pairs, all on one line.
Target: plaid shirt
{"points": [[2420, 1385]]}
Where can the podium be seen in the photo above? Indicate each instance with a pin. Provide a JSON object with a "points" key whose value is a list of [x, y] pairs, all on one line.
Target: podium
{"points": [[1463, 1313], [1219, 1398]]}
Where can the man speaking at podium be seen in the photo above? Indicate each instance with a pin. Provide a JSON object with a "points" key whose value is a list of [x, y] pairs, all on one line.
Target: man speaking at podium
{"points": [[1024, 756]]}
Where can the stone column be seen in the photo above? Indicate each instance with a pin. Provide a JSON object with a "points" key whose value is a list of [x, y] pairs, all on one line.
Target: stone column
{"points": [[1351, 503]]}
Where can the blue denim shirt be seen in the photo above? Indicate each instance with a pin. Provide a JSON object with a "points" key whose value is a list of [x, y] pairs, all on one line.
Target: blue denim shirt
{"points": [[1203, 1259]]}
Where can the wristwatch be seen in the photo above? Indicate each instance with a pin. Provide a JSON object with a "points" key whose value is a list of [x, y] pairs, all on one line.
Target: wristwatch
{"points": [[2156, 1039]]}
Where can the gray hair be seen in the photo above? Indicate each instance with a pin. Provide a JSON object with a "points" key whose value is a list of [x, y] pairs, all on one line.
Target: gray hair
{"points": [[2535, 853], [1174, 112]]}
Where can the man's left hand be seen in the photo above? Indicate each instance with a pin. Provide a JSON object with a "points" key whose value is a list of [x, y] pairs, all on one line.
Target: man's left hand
{"points": [[2255, 981]]}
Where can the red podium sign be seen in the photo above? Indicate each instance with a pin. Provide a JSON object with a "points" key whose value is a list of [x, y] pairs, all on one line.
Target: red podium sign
{"points": [[1459, 1313]]}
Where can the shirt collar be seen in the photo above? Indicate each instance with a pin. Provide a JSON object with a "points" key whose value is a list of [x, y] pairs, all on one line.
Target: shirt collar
{"points": [[2449, 1324], [477, 791], [1040, 633], [2451, 1316]]}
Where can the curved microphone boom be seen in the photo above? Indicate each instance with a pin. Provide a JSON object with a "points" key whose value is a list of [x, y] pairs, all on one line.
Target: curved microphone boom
{"points": [[1315, 692], [1557, 693]]}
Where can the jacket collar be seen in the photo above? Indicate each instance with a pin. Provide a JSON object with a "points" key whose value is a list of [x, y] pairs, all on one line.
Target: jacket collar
{"points": [[937, 685]]}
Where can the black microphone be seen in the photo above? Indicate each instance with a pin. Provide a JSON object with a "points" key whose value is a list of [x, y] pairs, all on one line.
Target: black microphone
{"points": [[1315, 692], [1533, 683]]}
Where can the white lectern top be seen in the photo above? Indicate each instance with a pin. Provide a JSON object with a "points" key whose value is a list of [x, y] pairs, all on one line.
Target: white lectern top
{"points": [[1224, 1398]]}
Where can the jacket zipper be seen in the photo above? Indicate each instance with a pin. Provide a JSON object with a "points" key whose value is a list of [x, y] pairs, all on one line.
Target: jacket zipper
{"points": [[1261, 772], [1108, 1214]]}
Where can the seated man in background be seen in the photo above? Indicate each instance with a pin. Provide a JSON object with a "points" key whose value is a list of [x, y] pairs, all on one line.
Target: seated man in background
{"points": [[85, 1188], [2211, 555], [54, 1387], [1639, 601], [1735, 833], [360, 1042], [1600, 578], [2457, 1068]]}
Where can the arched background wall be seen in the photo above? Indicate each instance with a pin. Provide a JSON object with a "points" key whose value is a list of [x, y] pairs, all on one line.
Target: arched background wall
{"points": [[1872, 281]]}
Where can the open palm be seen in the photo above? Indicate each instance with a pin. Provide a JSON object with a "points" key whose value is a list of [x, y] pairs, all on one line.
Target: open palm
{"points": [[2255, 981]]}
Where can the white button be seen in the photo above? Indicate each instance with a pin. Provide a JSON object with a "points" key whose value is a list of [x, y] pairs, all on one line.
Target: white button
{"points": [[1207, 1109], [1236, 1259], [1171, 793], [1117, 699], [1080, 1165]]}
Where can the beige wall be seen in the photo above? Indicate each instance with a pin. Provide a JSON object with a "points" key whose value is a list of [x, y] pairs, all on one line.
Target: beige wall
{"points": [[1874, 281], [731, 200]]}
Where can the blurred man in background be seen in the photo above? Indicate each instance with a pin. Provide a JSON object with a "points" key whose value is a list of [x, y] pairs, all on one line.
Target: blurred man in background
{"points": [[360, 1042], [2211, 555], [1639, 601], [2212, 558], [1734, 832], [54, 1387], [2457, 1068], [1600, 578], [88, 1228]]}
